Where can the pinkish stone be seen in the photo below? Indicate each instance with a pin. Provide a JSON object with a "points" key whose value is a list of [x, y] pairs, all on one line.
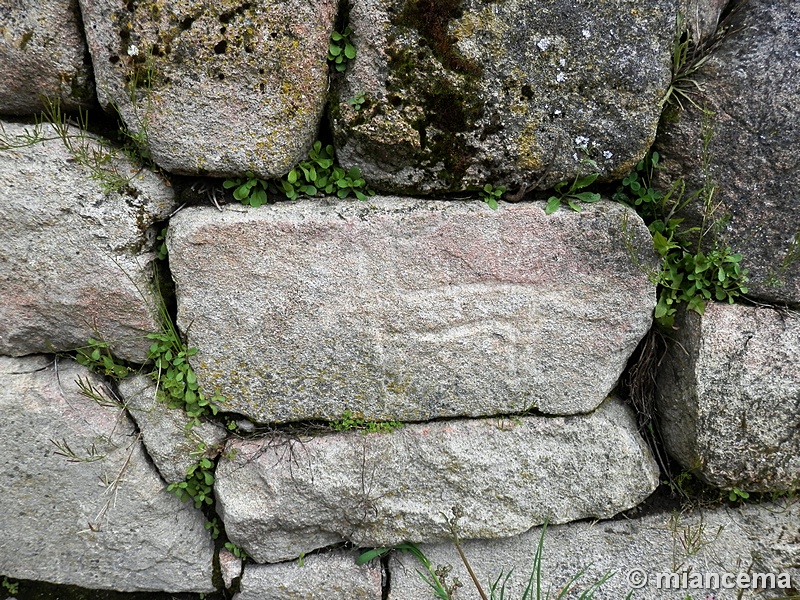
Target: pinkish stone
{"points": [[402, 309]]}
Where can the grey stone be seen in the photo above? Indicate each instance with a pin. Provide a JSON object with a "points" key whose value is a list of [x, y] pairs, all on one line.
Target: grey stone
{"points": [[701, 18], [215, 88], [750, 86], [43, 57], [754, 539], [230, 567], [100, 518], [404, 309], [77, 260], [729, 397], [332, 576], [281, 496], [172, 446], [459, 94]]}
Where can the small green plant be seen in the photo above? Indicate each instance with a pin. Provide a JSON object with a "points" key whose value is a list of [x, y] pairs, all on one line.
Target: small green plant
{"points": [[97, 357], [636, 190], [63, 449], [435, 578], [491, 195], [689, 538], [357, 101], [350, 422], [198, 485], [248, 190], [687, 60], [212, 526], [533, 589], [11, 586], [320, 175], [690, 275], [340, 49], [177, 382], [776, 277], [236, 551], [100, 157], [311, 176], [695, 278], [570, 193], [685, 484], [161, 244], [737, 495], [343, 183], [140, 72]]}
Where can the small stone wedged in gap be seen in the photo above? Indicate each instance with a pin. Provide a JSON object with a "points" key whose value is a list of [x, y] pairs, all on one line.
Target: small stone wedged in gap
{"points": [[172, 446]]}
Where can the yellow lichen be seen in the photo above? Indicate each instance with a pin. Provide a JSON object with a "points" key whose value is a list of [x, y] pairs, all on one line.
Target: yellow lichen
{"points": [[530, 150]]}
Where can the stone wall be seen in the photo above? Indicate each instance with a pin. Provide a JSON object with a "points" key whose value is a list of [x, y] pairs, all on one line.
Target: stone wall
{"points": [[452, 358]]}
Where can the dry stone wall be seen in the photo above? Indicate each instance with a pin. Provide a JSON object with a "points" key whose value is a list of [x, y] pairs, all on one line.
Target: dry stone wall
{"points": [[322, 375]]}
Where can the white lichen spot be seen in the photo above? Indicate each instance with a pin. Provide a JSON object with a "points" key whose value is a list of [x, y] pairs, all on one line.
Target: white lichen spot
{"points": [[586, 33], [582, 142], [133, 50], [543, 44], [560, 77], [607, 154]]}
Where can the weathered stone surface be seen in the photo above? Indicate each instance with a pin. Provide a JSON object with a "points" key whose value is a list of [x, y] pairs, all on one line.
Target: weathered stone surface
{"points": [[102, 519], [332, 576], [281, 496], [458, 94], [43, 55], [76, 261], [402, 309], [758, 539], [172, 447], [750, 85], [729, 397], [217, 88], [701, 17], [230, 567]]}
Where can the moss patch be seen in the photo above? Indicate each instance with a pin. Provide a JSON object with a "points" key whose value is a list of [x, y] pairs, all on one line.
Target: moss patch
{"points": [[433, 75], [431, 18]]}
